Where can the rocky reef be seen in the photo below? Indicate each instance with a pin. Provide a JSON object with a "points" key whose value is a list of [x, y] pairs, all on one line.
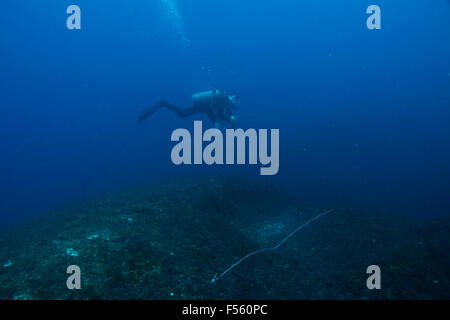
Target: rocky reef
{"points": [[168, 240]]}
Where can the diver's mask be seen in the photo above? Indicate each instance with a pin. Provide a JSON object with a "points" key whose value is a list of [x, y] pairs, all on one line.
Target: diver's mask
{"points": [[233, 99]]}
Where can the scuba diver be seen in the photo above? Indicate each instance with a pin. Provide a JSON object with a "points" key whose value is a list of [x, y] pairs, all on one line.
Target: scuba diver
{"points": [[216, 104]]}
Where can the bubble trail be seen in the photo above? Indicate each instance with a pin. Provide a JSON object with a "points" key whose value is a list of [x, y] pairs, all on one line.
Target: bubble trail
{"points": [[175, 18]]}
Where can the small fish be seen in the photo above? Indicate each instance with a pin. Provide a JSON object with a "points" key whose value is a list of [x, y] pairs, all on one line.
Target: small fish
{"points": [[71, 252], [8, 264]]}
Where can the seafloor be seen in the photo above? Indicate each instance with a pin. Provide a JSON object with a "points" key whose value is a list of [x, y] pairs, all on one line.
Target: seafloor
{"points": [[169, 239]]}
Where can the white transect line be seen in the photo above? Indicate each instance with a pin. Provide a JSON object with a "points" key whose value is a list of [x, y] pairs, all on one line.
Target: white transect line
{"points": [[271, 248]]}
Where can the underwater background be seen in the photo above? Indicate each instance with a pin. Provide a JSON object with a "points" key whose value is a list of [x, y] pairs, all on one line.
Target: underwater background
{"points": [[364, 129]]}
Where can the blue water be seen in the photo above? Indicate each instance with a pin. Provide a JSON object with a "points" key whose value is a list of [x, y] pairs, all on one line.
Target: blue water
{"points": [[363, 114]]}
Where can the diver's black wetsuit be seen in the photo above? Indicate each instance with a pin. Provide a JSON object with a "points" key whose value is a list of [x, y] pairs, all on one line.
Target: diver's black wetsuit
{"points": [[218, 109]]}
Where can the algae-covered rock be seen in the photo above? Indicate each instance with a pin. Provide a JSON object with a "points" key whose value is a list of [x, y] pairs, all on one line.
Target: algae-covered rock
{"points": [[169, 239]]}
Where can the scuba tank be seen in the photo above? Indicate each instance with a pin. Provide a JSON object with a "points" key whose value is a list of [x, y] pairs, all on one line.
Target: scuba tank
{"points": [[206, 96]]}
